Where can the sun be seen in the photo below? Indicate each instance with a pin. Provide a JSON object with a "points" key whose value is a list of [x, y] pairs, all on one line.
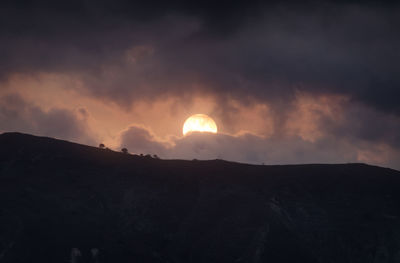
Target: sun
{"points": [[199, 123]]}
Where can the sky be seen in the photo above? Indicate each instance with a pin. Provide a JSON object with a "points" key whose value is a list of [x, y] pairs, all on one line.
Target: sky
{"points": [[285, 82]]}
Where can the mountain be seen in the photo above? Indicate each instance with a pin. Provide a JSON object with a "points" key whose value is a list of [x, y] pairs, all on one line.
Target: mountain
{"points": [[56, 196]]}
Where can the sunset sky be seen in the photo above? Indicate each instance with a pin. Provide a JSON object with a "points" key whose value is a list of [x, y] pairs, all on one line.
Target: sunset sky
{"points": [[316, 82]]}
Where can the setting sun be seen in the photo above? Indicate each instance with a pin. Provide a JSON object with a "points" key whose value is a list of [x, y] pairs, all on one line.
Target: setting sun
{"points": [[199, 123]]}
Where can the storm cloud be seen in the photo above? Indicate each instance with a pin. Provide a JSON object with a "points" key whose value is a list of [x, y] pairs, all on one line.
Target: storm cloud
{"points": [[126, 51]]}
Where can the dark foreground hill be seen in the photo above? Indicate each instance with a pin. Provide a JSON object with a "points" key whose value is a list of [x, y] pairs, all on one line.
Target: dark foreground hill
{"points": [[56, 196]]}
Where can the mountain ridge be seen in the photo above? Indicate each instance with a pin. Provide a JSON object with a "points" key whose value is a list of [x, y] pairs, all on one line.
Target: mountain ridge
{"points": [[56, 196], [17, 136]]}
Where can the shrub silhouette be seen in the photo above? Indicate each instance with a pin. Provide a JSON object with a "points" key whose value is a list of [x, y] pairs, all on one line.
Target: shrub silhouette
{"points": [[124, 150], [101, 146]]}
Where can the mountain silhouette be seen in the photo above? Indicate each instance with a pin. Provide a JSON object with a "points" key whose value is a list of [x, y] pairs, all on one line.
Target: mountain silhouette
{"points": [[57, 197]]}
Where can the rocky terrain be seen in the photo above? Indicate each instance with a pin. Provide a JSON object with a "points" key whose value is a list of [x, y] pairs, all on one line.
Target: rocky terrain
{"points": [[65, 202]]}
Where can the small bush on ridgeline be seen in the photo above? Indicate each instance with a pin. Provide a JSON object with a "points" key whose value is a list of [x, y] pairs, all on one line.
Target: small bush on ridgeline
{"points": [[124, 150], [102, 146], [155, 156]]}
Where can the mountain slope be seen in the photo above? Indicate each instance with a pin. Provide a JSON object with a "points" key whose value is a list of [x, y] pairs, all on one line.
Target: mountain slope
{"points": [[56, 195]]}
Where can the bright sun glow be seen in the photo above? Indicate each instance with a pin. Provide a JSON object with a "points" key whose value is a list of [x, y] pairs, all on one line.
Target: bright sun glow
{"points": [[199, 123]]}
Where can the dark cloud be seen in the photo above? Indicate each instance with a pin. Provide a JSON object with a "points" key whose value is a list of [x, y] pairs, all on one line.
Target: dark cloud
{"points": [[366, 124], [237, 48], [16, 114]]}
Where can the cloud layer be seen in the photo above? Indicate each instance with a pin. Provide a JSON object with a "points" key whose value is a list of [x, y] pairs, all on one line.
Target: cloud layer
{"points": [[249, 148], [125, 52], [322, 129]]}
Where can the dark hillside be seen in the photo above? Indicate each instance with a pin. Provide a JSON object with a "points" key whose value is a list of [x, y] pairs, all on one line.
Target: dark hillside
{"points": [[56, 196]]}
